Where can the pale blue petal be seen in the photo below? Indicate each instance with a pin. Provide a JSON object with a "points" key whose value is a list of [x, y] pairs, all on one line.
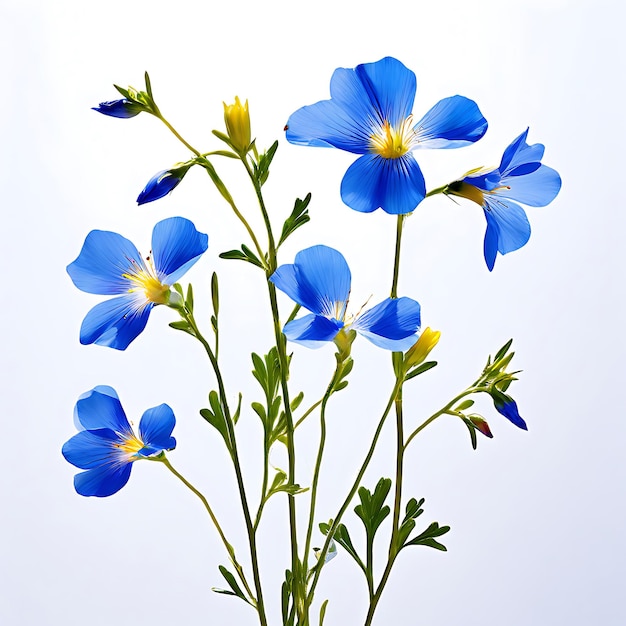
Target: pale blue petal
{"points": [[393, 324], [390, 87], [103, 260], [155, 428], [176, 246], [452, 123], [98, 410], [92, 448], [319, 280], [537, 188], [116, 322], [395, 185], [102, 481], [312, 331]]}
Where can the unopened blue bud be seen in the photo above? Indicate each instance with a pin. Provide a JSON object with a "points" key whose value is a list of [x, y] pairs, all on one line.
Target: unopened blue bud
{"points": [[122, 108], [161, 184]]}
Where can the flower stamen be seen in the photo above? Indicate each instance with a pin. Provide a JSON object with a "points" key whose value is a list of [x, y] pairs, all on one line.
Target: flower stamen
{"points": [[392, 143]]}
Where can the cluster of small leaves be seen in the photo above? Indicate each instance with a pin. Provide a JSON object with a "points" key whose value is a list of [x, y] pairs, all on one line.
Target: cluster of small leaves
{"points": [[372, 511], [245, 254], [143, 100], [184, 305], [261, 168], [299, 216], [216, 417]]}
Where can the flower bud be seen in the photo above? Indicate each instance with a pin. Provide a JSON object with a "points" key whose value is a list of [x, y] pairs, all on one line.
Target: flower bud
{"points": [[421, 348], [122, 108], [237, 119], [162, 183]]}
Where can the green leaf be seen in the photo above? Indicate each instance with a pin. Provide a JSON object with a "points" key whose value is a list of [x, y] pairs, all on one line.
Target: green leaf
{"points": [[181, 325], [323, 612], [215, 294], [372, 510], [503, 350], [427, 538], [466, 404], [215, 417], [424, 367], [232, 583], [295, 403], [245, 254], [262, 170], [299, 216]]}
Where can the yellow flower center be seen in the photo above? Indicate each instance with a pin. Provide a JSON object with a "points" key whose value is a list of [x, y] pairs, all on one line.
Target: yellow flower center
{"points": [[392, 143], [146, 280], [131, 446]]}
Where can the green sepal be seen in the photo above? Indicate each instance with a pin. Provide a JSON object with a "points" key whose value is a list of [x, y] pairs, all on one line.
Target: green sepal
{"points": [[472, 431], [427, 538], [502, 351], [245, 254], [232, 583], [189, 298], [424, 367], [466, 404], [299, 216]]}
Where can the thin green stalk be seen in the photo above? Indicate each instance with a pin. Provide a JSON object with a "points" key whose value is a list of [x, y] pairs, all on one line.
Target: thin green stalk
{"points": [[284, 372], [396, 262], [308, 412], [434, 416], [266, 453], [231, 552], [237, 465], [353, 490]]}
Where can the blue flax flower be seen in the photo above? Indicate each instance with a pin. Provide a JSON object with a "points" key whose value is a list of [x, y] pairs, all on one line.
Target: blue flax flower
{"points": [[319, 280], [521, 177], [505, 405], [106, 445], [110, 264], [369, 113], [121, 108], [162, 183]]}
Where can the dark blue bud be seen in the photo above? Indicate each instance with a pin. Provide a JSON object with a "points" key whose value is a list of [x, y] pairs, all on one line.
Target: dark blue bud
{"points": [[161, 184], [119, 108], [505, 405]]}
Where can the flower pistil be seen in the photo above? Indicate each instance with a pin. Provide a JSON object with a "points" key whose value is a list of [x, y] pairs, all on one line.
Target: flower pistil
{"points": [[146, 280], [392, 143]]}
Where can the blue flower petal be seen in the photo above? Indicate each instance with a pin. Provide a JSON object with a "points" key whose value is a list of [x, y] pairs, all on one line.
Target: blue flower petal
{"points": [[91, 448], [519, 152], [155, 429], [537, 188], [97, 410], [176, 246], [158, 186], [119, 108], [102, 481], [116, 322], [103, 260], [395, 185], [312, 331], [319, 280], [452, 123], [490, 245], [513, 227], [104, 389], [390, 87], [392, 324]]}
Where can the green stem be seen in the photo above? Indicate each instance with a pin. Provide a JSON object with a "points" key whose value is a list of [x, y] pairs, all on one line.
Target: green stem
{"points": [[284, 374], [434, 416], [353, 490], [434, 192], [231, 552], [396, 263], [237, 465], [307, 413]]}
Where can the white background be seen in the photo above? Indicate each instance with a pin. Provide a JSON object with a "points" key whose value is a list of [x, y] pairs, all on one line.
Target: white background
{"points": [[537, 518]]}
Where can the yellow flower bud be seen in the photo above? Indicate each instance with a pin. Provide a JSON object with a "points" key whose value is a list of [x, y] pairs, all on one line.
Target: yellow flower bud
{"points": [[421, 348], [237, 121]]}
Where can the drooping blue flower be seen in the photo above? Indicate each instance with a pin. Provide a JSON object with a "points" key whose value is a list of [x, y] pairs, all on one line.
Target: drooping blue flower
{"points": [[369, 113], [319, 280], [106, 445], [522, 177], [162, 183], [110, 264], [121, 108]]}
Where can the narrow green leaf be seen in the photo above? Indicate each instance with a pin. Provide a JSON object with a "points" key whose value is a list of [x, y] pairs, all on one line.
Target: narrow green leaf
{"points": [[323, 612], [472, 432], [503, 350], [215, 294], [230, 579], [424, 367]]}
